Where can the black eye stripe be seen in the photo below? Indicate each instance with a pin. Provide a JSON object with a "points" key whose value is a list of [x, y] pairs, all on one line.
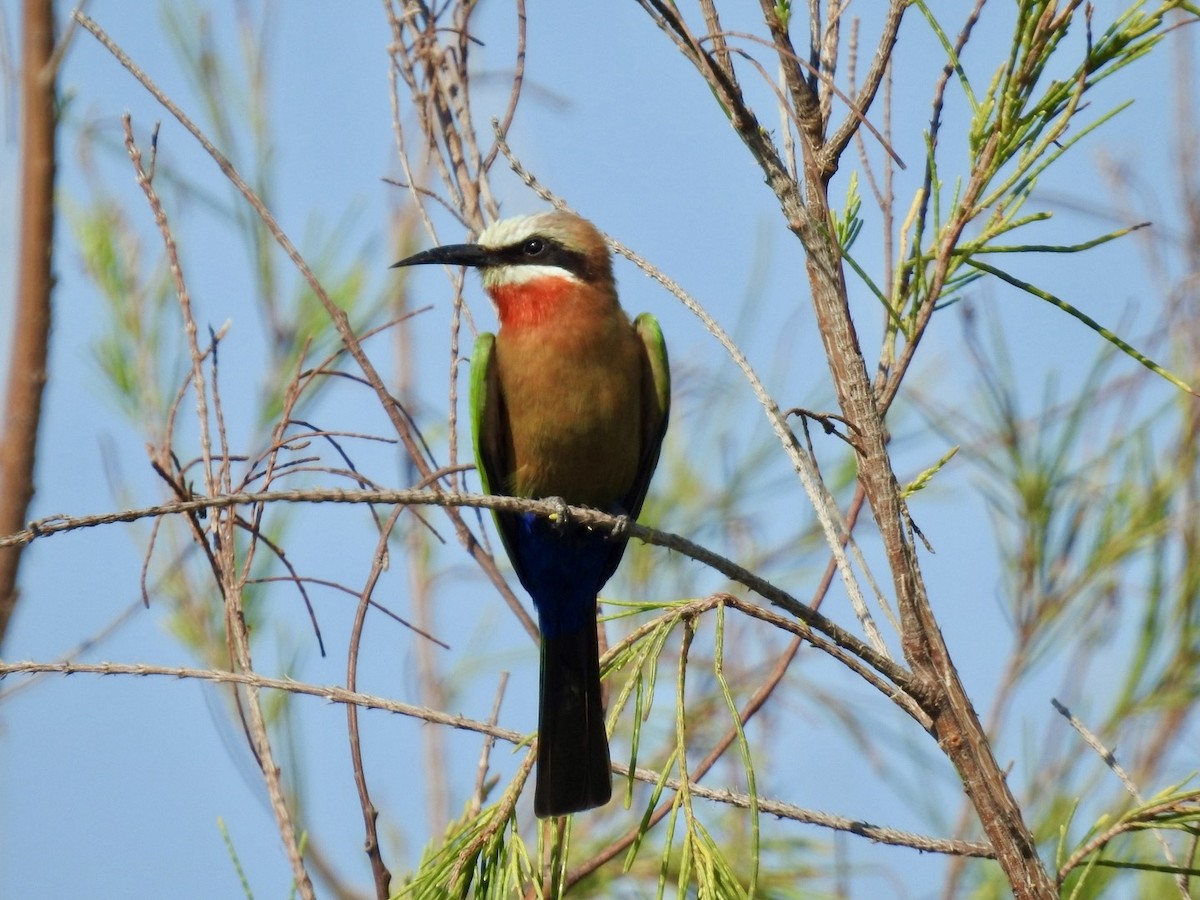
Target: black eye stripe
{"points": [[551, 253]]}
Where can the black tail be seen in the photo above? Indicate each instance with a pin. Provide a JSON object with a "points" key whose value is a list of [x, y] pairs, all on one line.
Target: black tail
{"points": [[572, 768]]}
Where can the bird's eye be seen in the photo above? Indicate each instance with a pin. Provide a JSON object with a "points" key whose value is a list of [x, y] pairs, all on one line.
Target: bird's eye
{"points": [[534, 247]]}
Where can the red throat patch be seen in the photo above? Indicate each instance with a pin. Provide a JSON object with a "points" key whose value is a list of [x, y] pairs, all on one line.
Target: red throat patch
{"points": [[531, 303]]}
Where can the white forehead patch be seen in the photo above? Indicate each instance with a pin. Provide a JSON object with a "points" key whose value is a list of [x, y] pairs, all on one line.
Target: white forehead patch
{"points": [[507, 232]]}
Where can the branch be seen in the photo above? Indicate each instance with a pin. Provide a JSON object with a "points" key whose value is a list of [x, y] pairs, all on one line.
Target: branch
{"points": [[829, 516], [337, 315], [940, 692], [334, 694], [578, 515], [27, 356], [836, 144]]}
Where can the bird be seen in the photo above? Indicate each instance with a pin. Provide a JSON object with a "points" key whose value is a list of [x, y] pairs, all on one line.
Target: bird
{"points": [[569, 401]]}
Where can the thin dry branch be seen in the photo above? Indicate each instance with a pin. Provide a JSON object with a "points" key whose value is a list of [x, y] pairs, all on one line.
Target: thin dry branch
{"points": [[485, 752], [828, 514], [809, 216], [338, 316], [223, 557], [827, 635], [335, 694], [383, 878], [836, 144], [1110, 760]]}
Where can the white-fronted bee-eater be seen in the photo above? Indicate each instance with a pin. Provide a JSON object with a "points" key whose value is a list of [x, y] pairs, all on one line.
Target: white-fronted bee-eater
{"points": [[569, 399]]}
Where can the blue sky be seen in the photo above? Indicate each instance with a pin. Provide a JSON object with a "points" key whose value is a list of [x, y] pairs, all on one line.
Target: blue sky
{"points": [[114, 786]]}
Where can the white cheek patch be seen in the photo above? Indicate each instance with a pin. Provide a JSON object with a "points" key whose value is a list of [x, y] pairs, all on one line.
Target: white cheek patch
{"points": [[505, 276]]}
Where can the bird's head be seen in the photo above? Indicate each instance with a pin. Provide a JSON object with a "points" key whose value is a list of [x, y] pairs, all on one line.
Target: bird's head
{"points": [[532, 265]]}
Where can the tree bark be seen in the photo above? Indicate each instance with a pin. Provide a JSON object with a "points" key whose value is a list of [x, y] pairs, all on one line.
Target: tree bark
{"points": [[31, 326]]}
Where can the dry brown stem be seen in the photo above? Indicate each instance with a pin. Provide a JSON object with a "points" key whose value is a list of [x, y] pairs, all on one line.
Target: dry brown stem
{"points": [[806, 208], [27, 373]]}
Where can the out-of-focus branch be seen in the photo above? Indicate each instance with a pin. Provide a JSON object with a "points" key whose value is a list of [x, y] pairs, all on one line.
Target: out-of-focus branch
{"points": [[31, 325]]}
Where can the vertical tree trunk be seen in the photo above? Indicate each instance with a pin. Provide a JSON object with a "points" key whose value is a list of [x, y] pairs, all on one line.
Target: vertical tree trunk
{"points": [[31, 326]]}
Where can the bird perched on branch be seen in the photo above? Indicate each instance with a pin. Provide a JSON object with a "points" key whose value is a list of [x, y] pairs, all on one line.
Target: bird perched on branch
{"points": [[569, 400]]}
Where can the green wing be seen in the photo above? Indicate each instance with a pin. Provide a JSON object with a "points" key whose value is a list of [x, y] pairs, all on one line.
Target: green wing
{"points": [[656, 406], [488, 427]]}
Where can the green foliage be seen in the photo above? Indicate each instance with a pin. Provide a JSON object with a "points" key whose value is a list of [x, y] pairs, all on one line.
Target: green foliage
{"points": [[1116, 848], [132, 354], [233, 858], [926, 476], [480, 855], [1021, 125]]}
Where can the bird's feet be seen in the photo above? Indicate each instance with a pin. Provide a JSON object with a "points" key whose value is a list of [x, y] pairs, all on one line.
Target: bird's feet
{"points": [[560, 518], [620, 529]]}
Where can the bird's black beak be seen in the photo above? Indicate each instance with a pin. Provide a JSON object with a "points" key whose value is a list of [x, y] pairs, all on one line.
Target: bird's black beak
{"points": [[451, 255]]}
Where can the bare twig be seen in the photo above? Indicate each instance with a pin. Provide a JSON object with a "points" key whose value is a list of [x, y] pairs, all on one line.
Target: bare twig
{"points": [[223, 559], [485, 752], [828, 514], [582, 516], [335, 694], [808, 214], [1110, 760], [338, 316], [379, 871]]}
